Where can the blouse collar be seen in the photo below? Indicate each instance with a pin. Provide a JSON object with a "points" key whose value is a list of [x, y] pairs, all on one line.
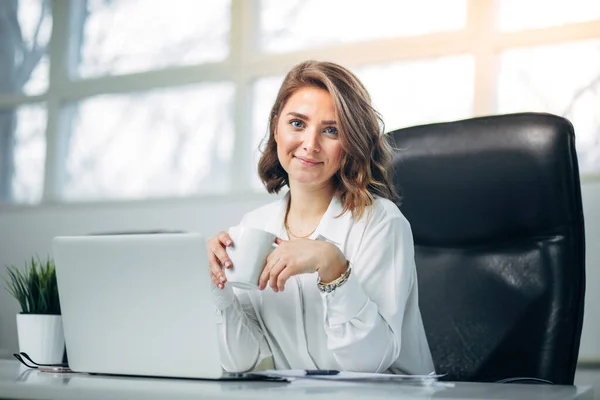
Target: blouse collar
{"points": [[331, 228]]}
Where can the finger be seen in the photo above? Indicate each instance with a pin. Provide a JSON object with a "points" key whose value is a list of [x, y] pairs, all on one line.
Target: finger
{"points": [[283, 278], [272, 255], [279, 241], [216, 281], [221, 255], [219, 274], [225, 239], [216, 248], [215, 268], [264, 276], [274, 275], [213, 263]]}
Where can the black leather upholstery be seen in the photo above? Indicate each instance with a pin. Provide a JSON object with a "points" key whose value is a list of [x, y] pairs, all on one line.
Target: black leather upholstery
{"points": [[495, 208]]}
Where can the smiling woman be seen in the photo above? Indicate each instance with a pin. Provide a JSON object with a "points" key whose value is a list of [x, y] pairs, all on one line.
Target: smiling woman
{"points": [[308, 146], [339, 291], [331, 94]]}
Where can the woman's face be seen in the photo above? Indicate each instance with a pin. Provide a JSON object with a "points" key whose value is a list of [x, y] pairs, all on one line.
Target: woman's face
{"points": [[308, 143]]}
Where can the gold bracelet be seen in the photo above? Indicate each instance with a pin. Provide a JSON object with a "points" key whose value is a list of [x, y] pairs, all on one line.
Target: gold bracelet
{"points": [[331, 286]]}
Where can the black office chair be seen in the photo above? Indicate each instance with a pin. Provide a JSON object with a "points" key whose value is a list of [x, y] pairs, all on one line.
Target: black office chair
{"points": [[495, 208]]}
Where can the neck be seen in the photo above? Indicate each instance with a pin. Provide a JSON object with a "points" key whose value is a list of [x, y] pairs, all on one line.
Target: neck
{"points": [[309, 203], [306, 208]]}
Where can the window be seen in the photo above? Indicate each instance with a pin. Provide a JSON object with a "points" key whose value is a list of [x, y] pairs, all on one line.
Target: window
{"points": [[514, 15], [408, 93], [562, 79], [135, 99], [264, 92], [299, 24], [24, 153], [25, 27], [125, 36], [169, 142]]}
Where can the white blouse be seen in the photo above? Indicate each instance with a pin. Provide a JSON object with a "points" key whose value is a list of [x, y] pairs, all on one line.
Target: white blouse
{"points": [[371, 323]]}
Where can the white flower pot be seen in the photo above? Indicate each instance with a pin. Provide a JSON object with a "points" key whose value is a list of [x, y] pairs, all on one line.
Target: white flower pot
{"points": [[41, 337]]}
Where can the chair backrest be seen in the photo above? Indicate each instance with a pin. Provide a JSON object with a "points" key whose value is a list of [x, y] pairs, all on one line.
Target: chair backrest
{"points": [[495, 208]]}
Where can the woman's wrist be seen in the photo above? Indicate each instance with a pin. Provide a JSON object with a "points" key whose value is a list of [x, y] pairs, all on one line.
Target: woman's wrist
{"points": [[333, 266]]}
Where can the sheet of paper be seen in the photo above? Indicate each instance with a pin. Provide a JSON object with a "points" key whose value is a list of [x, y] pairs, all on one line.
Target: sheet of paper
{"points": [[348, 376]]}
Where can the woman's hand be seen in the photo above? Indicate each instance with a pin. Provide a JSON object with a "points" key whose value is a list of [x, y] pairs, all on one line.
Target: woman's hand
{"points": [[218, 258], [301, 256]]}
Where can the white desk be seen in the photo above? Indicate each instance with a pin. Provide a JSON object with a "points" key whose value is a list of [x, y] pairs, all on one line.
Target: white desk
{"points": [[19, 382]]}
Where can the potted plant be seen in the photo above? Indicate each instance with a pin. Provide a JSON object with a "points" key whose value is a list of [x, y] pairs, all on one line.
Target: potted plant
{"points": [[39, 324]]}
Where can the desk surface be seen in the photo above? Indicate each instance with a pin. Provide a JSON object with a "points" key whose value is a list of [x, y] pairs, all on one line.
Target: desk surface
{"points": [[19, 382]]}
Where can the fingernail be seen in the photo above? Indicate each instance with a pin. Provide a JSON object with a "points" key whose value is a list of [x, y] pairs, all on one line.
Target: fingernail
{"points": [[222, 279], [220, 286], [229, 243], [227, 264]]}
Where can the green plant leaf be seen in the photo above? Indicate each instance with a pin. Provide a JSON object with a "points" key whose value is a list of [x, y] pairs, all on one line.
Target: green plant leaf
{"points": [[35, 288], [14, 286]]}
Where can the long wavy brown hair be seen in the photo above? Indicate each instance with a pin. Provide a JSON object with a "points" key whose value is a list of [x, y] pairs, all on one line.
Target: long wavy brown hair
{"points": [[366, 165]]}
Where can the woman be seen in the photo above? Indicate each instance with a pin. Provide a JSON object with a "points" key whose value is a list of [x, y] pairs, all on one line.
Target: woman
{"points": [[340, 290]]}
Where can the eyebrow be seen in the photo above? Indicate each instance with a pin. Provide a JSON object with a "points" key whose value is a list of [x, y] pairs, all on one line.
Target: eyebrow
{"points": [[302, 116]]}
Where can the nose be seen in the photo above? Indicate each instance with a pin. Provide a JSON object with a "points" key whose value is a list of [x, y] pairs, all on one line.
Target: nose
{"points": [[311, 140]]}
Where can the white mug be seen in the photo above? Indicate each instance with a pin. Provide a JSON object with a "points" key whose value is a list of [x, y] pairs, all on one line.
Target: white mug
{"points": [[248, 256]]}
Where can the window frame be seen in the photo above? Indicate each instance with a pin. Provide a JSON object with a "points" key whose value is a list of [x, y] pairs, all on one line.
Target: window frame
{"points": [[479, 38]]}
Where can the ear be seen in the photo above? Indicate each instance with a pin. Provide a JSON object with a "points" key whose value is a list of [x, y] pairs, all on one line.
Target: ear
{"points": [[275, 134]]}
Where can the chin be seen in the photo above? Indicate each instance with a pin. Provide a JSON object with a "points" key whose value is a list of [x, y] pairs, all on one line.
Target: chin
{"points": [[306, 179]]}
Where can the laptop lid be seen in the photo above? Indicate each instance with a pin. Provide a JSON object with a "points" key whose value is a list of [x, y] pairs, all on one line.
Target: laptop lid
{"points": [[138, 305]]}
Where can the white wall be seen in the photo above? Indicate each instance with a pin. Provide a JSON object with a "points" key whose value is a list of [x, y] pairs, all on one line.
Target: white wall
{"points": [[28, 231]]}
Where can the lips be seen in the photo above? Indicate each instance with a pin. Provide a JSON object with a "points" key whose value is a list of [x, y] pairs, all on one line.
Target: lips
{"points": [[308, 161]]}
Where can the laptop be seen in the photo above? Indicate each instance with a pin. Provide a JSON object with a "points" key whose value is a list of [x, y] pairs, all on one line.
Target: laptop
{"points": [[139, 304]]}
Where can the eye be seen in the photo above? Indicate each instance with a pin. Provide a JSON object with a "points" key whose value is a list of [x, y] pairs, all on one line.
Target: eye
{"points": [[296, 123], [331, 131]]}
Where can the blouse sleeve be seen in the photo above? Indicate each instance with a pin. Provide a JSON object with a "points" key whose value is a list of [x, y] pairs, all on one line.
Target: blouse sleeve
{"points": [[242, 345], [364, 317]]}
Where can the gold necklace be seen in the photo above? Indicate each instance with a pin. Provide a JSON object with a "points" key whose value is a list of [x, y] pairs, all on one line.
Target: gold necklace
{"points": [[290, 233], [287, 227]]}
